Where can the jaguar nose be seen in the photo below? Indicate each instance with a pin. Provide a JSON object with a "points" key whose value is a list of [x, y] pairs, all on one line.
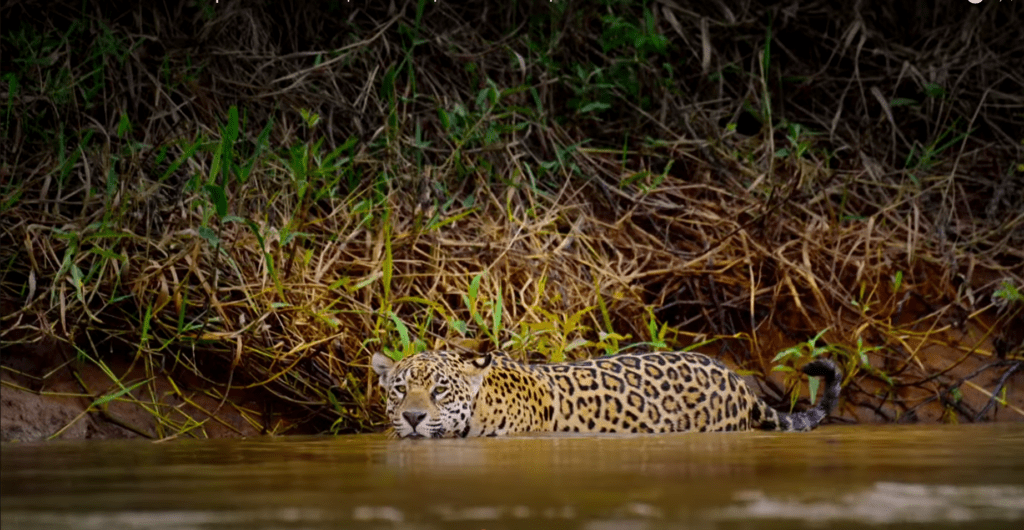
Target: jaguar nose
{"points": [[414, 417]]}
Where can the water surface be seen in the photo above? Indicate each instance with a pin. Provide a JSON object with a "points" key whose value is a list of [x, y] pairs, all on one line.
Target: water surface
{"points": [[893, 476]]}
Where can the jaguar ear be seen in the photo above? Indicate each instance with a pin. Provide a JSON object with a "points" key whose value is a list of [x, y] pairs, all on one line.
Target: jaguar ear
{"points": [[382, 365], [476, 368], [482, 361]]}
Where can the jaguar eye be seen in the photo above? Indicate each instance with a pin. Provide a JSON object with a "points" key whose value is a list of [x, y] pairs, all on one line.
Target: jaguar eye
{"points": [[400, 389], [439, 389]]}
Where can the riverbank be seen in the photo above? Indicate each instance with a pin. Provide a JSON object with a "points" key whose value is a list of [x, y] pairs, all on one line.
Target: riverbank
{"points": [[69, 401], [214, 222], [44, 396]]}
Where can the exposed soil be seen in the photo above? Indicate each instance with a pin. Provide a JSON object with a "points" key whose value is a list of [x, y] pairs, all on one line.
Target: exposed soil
{"points": [[44, 398]]}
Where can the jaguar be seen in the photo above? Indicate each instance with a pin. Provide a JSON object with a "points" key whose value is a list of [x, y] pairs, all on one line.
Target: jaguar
{"points": [[445, 394]]}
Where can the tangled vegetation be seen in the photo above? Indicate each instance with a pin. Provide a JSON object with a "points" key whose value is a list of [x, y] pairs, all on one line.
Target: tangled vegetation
{"points": [[234, 197]]}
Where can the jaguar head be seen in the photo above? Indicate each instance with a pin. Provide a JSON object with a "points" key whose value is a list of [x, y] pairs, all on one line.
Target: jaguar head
{"points": [[431, 394]]}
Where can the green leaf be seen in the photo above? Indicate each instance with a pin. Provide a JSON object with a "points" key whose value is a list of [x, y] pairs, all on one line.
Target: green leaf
{"points": [[144, 335], [474, 287], [311, 118], [902, 102], [595, 106], [124, 126], [103, 400], [420, 300], [482, 98], [76, 276], [231, 132], [209, 235], [576, 343], [479, 320], [111, 182], [460, 326], [256, 232], [186, 154], [403, 331], [219, 198], [496, 317], [395, 355], [369, 279], [107, 253], [215, 164], [388, 260], [818, 336], [387, 84], [1009, 292], [933, 90], [788, 352], [261, 144]]}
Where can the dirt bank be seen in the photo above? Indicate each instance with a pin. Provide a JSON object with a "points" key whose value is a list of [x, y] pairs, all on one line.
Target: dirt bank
{"points": [[44, 396], [59, 399]]}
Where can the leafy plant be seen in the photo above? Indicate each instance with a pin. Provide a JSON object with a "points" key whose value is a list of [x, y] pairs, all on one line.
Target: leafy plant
{"points": [[1009, 293], [794, 353], [800, 141], [923, 157]]}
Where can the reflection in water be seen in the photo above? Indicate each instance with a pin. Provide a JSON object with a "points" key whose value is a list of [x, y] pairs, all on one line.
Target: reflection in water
{"points": [[885, 476], [889, 502]]}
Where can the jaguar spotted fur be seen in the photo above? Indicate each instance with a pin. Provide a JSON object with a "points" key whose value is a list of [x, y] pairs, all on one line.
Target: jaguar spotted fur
{"points": [[440, 394]]}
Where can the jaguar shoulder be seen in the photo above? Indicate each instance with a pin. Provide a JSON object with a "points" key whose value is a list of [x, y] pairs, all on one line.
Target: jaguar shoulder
{"points": [[440, 394]]}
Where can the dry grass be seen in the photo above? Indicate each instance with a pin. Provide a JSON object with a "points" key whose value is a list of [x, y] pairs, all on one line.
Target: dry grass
{"points": [[843, 171]]}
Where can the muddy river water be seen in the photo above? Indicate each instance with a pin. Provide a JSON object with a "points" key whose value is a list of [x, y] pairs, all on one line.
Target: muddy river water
{"points": [[836, 477]]}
